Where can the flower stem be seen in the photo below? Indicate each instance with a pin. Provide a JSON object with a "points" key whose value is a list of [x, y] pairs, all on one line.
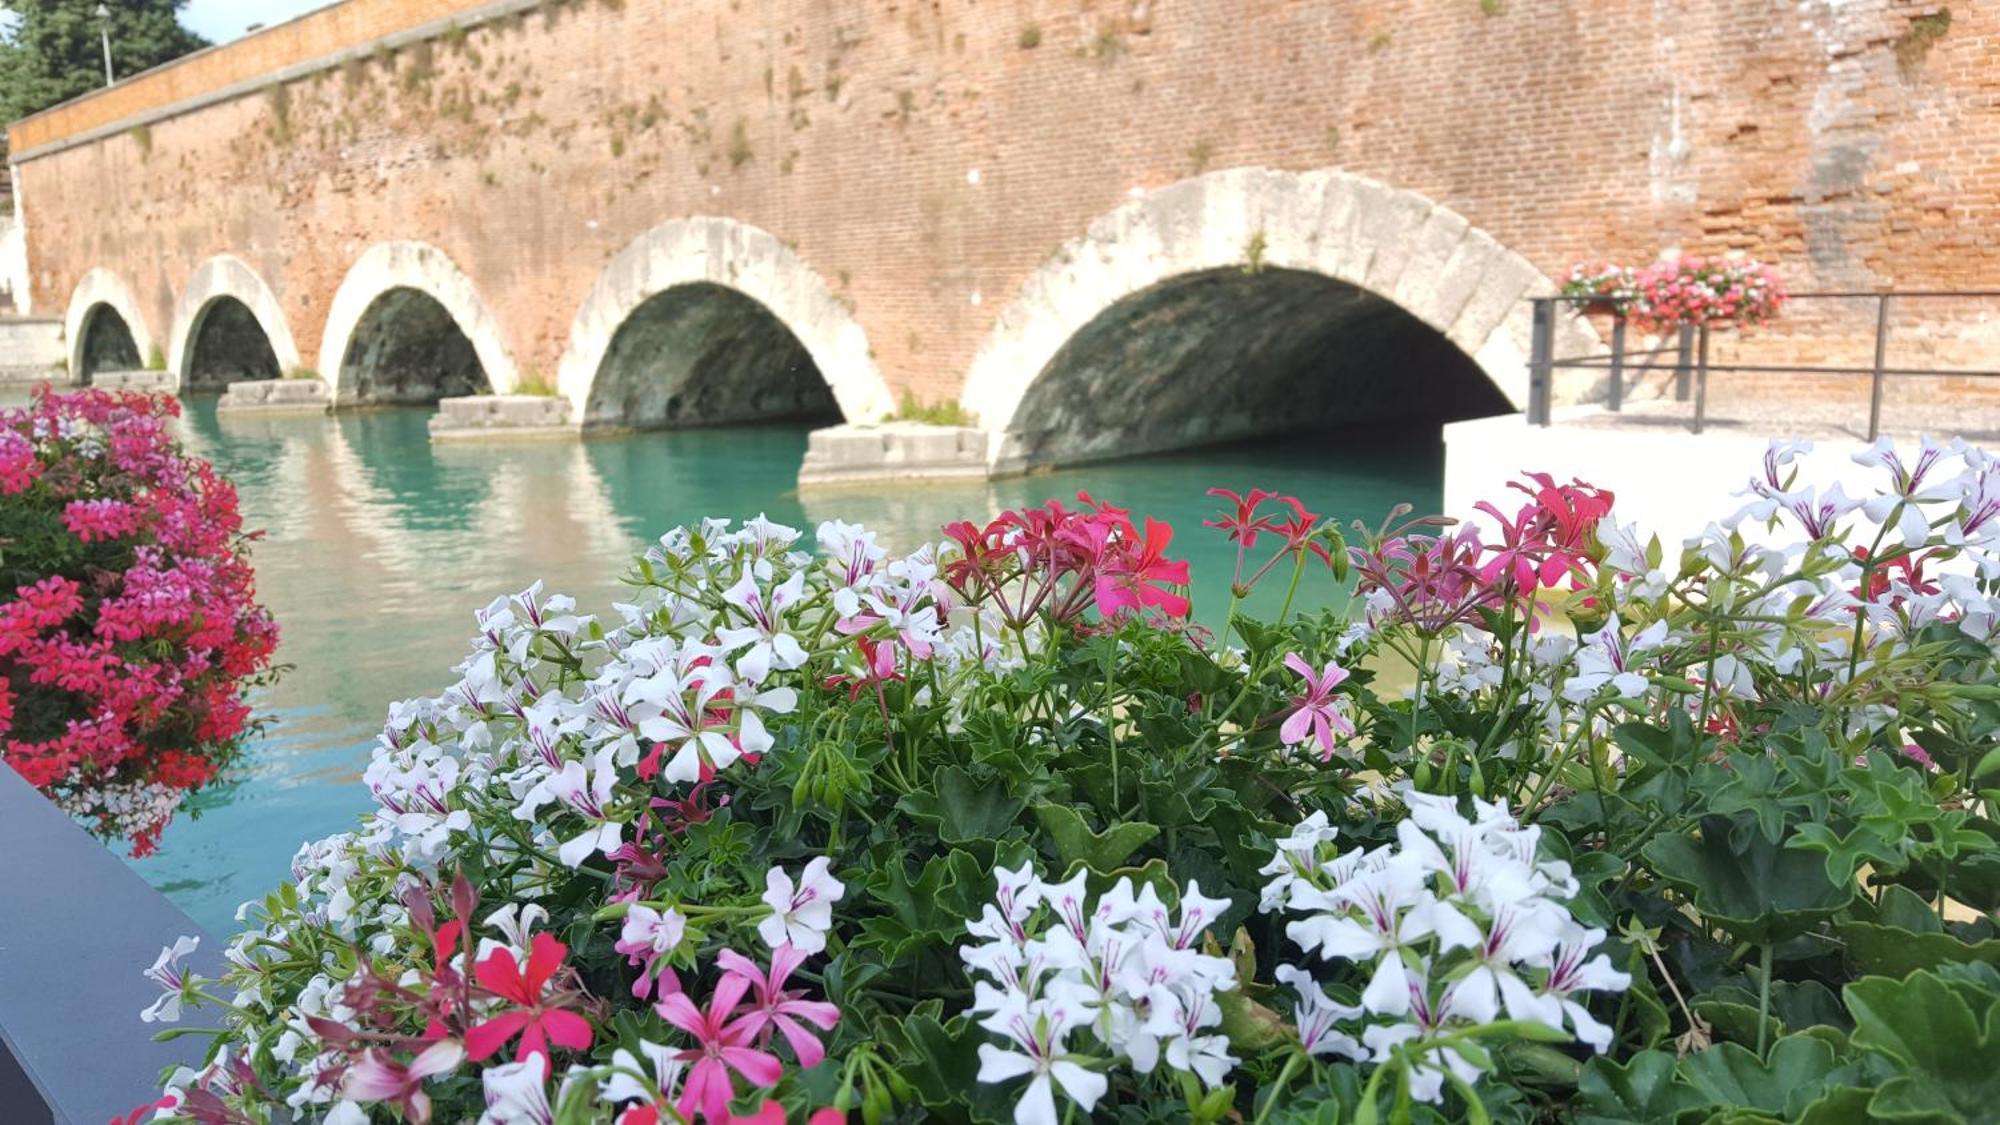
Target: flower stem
{"points": [[1763, 998], [1278, 1087]]}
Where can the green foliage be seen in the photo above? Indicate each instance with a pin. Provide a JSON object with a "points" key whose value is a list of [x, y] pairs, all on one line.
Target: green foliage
{"points": [[1756, 891], [55, 50], [1200, 153], [535, 382], [946, 413], [1030, 37], [1253, 252], [1942, 1030], [278, 99], [1914, 45], [156, 360]]}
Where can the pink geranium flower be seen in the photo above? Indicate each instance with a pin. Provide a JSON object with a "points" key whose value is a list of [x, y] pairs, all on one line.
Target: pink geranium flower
{"points": [[1318, 711], [721, 1047], [377, 1077], [779, 1010]]}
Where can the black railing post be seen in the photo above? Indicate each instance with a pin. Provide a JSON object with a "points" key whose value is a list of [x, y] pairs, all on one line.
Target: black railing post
{"points": [[1541, 361], [1616, 397], [1684, 366], [1701, 380], [1881, 354]]}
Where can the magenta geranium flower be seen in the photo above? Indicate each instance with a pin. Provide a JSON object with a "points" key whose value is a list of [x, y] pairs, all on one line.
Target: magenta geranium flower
{"points": [[780, 1010], [721, 1046], [1318, 711], [1141, 577]]}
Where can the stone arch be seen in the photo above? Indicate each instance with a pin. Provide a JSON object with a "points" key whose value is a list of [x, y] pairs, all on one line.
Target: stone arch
{"points": [[1325, 241], [406, 307], [716, 263], [225, 296], [105, 326]]}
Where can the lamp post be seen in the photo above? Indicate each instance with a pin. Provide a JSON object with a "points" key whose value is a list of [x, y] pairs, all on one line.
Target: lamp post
{"points": [[104, 32]]}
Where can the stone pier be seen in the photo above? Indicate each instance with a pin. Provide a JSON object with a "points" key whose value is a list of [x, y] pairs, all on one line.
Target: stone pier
{"points": [[302, 396], [474, 417], [891, 451], [144, 380]]}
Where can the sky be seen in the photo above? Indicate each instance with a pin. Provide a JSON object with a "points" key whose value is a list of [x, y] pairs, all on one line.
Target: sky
{"points": [[222, 20]]}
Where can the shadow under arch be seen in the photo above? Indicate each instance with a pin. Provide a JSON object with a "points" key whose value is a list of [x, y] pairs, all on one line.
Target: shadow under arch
{"points": [[700, 280], [1249, 301], [105, 327], [105, 344], [702, 354], [407, 349], [408, 326], [1225, 354], [228, 327]]}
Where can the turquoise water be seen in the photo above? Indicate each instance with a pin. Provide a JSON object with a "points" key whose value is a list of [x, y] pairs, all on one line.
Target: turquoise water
{"points": [[379, 546]]}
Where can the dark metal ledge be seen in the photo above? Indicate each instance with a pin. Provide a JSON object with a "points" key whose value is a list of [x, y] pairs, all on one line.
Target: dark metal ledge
{"points": [[78, 929]]}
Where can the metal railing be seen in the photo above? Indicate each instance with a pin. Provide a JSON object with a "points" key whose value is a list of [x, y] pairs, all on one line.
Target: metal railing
{"points": [[1692, 365]]}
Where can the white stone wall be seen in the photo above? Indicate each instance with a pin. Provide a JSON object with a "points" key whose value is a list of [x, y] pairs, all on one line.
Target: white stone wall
{"points": [[14, 262]]}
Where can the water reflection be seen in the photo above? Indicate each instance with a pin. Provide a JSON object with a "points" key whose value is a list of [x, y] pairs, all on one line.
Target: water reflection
{"points": [[380, 546]]}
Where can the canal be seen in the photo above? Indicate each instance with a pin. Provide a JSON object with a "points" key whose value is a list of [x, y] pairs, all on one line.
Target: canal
{"points": [[379, 547]]}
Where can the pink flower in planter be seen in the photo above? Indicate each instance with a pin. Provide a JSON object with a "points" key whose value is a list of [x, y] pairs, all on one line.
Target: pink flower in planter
{"points": [[1319, 711], [1243, 524], [1140, 579], [721, 1047], [777, 1009], [376, 1077]]}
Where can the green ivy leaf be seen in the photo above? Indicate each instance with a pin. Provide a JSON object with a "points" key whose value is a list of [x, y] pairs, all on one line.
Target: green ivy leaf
{"points": [[1100, 851], [1729, 1074], [962, 810], [1896, 952], [938, 1058], [1946, 1036], [1640, 1089], [1762, 894]]}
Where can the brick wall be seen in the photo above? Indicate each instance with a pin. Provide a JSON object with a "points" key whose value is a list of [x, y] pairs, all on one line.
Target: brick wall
{"points": [[1845, 141]]}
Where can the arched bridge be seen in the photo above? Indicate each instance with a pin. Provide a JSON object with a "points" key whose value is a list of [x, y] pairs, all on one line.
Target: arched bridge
{"points": [[1095, 229]]}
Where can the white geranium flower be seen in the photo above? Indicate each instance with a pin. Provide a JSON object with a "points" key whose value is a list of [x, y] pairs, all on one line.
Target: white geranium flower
{"points": [[172, 979], [802, 912], [587, 792], [764, 641], [1036, 1030]]}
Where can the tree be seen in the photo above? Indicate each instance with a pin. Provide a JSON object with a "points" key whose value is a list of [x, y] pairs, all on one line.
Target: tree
{"points": [[51, 51]]}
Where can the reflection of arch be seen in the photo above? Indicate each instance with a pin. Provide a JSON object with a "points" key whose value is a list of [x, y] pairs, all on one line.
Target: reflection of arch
{"points": [[1333, 244], [723, 253], [406, 310], [99, 307], [227, 287]]}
